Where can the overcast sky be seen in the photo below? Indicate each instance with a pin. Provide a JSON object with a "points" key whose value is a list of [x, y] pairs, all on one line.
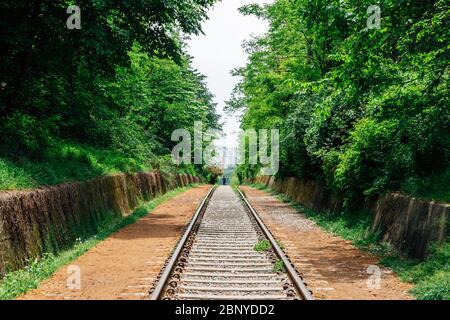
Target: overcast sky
{"points": [[219, 51]]}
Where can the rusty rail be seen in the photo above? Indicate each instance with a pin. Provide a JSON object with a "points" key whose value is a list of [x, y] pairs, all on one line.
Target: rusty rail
{"points": [[158, 291], [299, 285]]}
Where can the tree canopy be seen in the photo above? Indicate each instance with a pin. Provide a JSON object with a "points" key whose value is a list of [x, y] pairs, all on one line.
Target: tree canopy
{"points": [[364, 110], [114, 89]]}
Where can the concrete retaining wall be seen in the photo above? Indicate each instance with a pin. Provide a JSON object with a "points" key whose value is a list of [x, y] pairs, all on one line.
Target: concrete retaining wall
{"points": [[408, 224], [309, 193], [411, 225], [49, 219]]}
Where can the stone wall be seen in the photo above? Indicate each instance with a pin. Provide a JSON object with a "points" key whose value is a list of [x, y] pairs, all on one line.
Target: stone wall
{"points": [[50, 219], [408, 224], [411, 225], [309, 193]]}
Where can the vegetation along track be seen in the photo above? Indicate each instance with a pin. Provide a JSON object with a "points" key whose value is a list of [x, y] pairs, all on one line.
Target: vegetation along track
{"points": [[216, 257]]}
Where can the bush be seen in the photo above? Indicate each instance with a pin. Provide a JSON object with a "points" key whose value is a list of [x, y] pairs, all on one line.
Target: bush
{"points": [[371, 159], [212, 173]]}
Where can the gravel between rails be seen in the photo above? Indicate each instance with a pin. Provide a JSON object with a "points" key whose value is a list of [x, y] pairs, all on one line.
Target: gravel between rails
{"points": [[221, 263]]}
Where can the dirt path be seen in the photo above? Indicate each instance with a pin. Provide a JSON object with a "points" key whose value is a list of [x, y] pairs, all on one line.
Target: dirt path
{"points": [[125, 265], [332, 267]]}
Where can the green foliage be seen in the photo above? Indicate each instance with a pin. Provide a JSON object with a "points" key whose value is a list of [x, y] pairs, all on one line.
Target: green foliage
{"points": [[36, 43], [279, 267], [13, 177], [212, 173], [436, 287], [370, 143], [245, 172], [431, 277], [263, 246], [102, 99], [434, 187], [81, 162], [365, 110]]}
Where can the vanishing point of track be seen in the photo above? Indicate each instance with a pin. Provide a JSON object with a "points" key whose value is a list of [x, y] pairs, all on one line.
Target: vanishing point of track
{"points": [[216, 259]]}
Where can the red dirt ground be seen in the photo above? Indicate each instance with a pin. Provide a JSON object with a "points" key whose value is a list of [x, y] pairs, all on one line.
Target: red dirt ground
{"points": [[332, 267], [125, 265]]}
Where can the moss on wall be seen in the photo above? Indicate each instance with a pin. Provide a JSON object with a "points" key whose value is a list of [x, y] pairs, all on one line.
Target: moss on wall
{"points": [[50, 219]]}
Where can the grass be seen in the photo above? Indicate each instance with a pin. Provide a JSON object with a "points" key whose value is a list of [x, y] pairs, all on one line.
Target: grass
{"points": [[279, 267], [21, 281], [435, 187], [431, 277], [81, 162], [262, 246]]}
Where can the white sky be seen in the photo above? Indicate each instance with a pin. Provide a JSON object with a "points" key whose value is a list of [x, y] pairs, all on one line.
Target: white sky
{"points": [[219, 51]]}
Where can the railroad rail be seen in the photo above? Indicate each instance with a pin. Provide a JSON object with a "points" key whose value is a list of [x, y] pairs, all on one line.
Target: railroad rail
{"points": [[216, 258]]}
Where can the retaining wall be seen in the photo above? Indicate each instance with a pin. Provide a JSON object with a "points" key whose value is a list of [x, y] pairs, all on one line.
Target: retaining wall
{"points": [[309, 193], [409, 225], [52, 218]]}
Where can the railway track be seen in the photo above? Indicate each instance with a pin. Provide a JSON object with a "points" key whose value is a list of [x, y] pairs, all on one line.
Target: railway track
{"points": [[216, 258]]}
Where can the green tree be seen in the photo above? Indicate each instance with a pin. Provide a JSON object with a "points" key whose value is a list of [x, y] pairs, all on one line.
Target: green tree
{"points": [[365, 110]]}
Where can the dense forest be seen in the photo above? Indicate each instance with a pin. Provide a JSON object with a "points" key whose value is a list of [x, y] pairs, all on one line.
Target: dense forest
{"points": [[78, 103], [362, 109]]}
